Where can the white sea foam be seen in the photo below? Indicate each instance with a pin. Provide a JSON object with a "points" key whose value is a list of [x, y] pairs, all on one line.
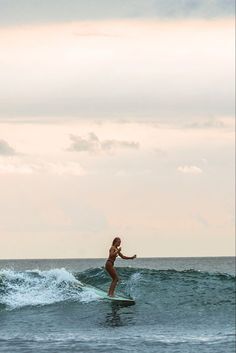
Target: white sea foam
{"points": [[37, 287], [132, 284]]}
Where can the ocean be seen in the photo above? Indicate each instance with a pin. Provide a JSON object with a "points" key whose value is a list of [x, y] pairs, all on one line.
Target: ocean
{"points": [[181, 305]]}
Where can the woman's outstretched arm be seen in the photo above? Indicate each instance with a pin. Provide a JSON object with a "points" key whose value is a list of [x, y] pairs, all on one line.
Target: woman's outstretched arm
{"points": [[126, 257]]}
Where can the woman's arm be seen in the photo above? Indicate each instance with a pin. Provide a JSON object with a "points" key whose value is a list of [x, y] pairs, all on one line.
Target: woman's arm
{"points": [[126, 257]]}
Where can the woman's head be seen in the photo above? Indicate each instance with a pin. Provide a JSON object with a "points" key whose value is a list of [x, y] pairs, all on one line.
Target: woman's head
{"points": [[116, 241]]}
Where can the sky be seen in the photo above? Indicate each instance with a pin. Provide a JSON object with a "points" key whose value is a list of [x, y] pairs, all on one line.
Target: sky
{"points": [[116, 119]]}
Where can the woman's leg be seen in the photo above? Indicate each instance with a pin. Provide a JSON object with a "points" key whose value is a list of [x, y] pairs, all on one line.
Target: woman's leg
{"points": [[112, 272]]}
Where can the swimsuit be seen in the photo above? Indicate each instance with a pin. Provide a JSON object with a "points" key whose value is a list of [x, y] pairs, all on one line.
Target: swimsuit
{"points": [[111, 261]]}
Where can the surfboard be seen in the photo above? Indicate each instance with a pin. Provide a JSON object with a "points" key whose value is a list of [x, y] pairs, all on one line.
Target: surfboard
{"points": [[117, 298]]}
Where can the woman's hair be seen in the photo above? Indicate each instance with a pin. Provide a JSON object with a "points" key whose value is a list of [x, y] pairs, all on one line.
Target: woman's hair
{"points": [[115, 240]]}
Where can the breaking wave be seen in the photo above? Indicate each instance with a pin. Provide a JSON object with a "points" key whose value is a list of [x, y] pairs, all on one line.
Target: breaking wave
{"points": [[167, 288]]}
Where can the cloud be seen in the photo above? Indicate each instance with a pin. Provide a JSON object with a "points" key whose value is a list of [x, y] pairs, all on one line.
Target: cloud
{"points": [[209, 123], [94, 145], [32, 11], [201, 220], [6, 149], [189, 169], [65, 81], [17, 166], [112, 144]]}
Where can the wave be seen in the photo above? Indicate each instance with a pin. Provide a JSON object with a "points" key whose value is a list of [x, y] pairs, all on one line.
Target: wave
{"points": [[175, 290], [18, 288]]}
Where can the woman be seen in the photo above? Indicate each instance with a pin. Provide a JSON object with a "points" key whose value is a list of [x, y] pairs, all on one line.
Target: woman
{"points": [[113, 253]]}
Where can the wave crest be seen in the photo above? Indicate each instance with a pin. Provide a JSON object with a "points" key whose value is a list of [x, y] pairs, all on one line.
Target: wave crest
{"points": [[169, 288], [24, 288]]}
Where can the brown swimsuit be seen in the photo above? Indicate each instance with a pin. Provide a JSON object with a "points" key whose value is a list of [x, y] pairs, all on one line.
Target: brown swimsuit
{"points": [[112, 261]]}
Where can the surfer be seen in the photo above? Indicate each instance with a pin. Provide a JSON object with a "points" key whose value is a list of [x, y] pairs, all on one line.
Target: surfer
{"points": [[114, 251]]}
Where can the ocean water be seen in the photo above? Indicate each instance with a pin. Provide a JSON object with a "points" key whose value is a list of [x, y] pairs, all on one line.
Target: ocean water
{"points": [[182, 305]]}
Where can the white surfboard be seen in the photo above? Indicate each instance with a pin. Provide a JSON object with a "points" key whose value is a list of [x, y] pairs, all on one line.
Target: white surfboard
{"points": [[117, 298]]}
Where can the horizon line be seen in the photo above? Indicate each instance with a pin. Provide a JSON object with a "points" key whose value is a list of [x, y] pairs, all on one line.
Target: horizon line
{"points": [[103, 258]]}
